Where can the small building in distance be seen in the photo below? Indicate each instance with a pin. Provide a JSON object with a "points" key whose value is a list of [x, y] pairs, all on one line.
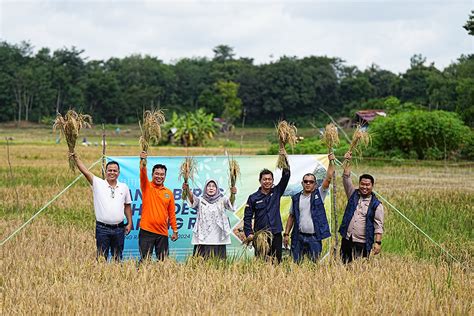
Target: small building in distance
{"points": [[364, 117]]}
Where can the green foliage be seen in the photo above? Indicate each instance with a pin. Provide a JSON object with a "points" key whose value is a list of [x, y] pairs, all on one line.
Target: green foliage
{"points": [[223, 53], [393, 105], [467, 150], [193, 128], [296, 89], [232, 104], [222, 100], [431, 135], [469, 26], [465, 106], [47, 120], [192, 78]]}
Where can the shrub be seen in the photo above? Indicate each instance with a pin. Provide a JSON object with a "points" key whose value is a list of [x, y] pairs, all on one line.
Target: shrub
{"points": [[467, 150], [193, 128], [431, 135]]}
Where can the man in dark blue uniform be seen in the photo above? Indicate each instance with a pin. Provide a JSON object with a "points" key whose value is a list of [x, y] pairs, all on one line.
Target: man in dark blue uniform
{"points": [[264, 207]]}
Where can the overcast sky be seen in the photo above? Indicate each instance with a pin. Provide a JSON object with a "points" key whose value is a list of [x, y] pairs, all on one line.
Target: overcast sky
{"points": [[386, 33]]}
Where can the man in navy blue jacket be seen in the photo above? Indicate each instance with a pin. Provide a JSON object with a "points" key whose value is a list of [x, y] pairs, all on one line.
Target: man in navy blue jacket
{"points": [[264, 207], [308, 217]]}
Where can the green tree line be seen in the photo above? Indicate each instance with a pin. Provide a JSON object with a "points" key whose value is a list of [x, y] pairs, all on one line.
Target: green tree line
{"points": [[36, 84]]}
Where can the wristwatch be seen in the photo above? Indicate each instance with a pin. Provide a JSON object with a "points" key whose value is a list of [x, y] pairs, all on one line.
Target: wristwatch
{"points": [[286, 235], [378, 242]]}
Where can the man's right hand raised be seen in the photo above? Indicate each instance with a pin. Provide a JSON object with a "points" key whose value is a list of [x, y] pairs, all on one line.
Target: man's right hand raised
{"points": [[143, 156]]}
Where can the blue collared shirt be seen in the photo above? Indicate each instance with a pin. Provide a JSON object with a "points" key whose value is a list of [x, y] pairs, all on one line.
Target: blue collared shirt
{"points": [[265, 208]]}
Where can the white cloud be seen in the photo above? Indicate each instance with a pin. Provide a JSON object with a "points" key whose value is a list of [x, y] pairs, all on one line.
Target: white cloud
{"points": [[360, 32]]}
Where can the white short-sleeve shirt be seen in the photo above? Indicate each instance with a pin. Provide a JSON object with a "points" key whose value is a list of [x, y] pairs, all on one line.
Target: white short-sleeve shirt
{"points": [[109, 202]]}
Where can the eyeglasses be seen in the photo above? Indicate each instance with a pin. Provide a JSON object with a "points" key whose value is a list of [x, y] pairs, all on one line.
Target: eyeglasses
{"points": [[308, 181], [112, 192]]}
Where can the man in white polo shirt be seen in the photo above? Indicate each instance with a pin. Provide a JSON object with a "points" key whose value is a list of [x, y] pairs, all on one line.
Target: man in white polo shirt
{"points": [[111, 201]]}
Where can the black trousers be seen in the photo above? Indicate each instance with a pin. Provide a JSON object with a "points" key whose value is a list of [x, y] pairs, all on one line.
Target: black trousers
{"points": [[351, 250], [210, 251], [275, 251], [147, 241]]}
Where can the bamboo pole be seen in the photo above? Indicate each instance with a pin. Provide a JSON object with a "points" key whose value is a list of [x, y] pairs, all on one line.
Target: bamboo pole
{"points": [[334, 191], [103, 151]]}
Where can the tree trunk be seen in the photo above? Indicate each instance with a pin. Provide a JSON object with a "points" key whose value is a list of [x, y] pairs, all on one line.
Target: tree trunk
{"points": [[27, 101], [29, 106], [19, 102], [58, 99]]}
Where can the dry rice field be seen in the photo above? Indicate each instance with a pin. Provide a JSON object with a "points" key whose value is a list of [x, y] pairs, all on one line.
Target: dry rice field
{"points": [[51, 270], [50, 267]]}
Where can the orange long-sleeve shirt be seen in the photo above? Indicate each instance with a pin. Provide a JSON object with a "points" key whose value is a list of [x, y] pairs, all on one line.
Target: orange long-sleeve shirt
{"points": [[158, 208]]}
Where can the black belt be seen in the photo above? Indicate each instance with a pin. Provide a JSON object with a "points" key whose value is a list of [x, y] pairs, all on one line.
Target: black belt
{"points": [[308, 235], [111, 225]]}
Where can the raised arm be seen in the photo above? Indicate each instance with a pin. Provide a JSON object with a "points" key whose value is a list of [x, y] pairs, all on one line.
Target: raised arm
{"points": [[229, 206], [285, 174], [346, 175], [143, 171], [89, 176], [190, 196], [330, 172], [143, 156], [347, 166]]}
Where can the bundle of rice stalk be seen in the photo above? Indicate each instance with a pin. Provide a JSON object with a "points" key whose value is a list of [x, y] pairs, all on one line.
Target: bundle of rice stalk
{"points": [[260, 241], [330, 137], [186, 172], [69, 126], [151, 129], [234, 173], [360, 139], [286, 135]]}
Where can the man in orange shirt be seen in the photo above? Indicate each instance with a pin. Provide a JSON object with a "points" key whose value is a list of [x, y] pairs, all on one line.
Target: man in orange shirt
{"points": [[158, 212]]}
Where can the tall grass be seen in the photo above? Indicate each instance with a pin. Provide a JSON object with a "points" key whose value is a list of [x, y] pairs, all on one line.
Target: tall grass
{"points": [[52, 270]]}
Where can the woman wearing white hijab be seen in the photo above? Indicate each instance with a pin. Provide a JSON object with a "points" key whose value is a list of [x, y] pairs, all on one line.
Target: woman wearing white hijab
{"points": [[212, 230]]}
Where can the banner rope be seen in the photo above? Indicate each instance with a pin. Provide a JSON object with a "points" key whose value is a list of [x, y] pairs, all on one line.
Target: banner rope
{"points": [[46, 205], [408, 220]]}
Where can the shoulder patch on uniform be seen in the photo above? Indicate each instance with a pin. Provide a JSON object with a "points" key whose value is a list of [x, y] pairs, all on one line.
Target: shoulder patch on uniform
{"points": [[167, 195]]}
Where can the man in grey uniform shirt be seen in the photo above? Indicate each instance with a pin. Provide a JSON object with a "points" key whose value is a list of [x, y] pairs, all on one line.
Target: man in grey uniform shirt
{"points": [[307, 219], [362, 224]]}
